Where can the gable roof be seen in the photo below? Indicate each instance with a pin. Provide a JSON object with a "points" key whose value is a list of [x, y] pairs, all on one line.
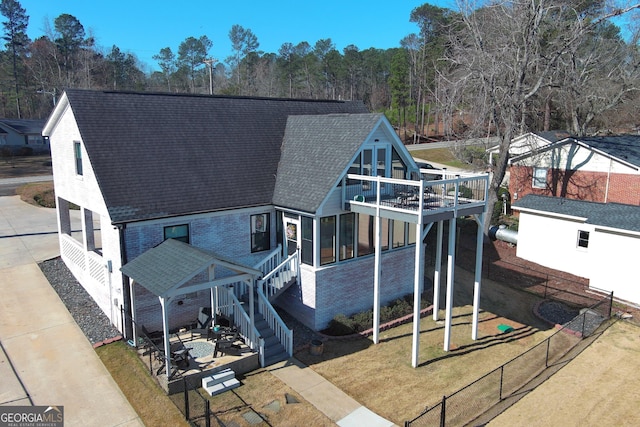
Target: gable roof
{"points": [[24, 126], [609, 215], [623, 148], [161, 155], [315, 152], [523, 141], [172, 263]]}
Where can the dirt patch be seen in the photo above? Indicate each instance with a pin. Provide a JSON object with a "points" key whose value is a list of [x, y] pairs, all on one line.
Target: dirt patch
{"points": [[38, 193], [18, 166]]}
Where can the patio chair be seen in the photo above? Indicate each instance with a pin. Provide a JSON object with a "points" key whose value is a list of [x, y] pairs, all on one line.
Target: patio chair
{"points": [[155, 337], [203, 324]]}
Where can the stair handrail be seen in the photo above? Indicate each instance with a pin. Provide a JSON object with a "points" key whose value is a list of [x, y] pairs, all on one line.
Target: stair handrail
{"points": [[275, 322], [241, 319], [288, 264], [272, 258]]}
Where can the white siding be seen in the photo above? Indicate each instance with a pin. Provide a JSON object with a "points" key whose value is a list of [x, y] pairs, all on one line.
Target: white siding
{"points": [[553, 243]]}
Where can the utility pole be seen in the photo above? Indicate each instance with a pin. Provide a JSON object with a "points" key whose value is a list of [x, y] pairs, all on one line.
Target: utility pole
{"points": [[209, 63]]}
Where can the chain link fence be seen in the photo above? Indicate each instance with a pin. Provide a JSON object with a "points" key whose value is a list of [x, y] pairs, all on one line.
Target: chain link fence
{"points": [[468, 403]]}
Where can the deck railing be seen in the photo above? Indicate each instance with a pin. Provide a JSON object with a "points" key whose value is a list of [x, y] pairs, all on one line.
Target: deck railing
{"points": [[277, 325], [88, 263], [403, 194]]}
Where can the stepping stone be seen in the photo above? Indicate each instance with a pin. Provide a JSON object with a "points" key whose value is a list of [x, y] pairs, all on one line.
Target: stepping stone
{"points": [[290, 399], [273, 406], [252, 417]]}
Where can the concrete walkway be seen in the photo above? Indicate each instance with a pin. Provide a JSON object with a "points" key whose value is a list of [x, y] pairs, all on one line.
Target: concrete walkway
{"points": [[45, 359], [327, 398]]}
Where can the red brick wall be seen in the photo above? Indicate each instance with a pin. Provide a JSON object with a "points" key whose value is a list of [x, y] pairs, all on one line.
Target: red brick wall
{"points": [[580, 185]]}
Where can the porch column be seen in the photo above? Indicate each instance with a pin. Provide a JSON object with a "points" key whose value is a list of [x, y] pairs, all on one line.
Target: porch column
{"points": [[450, 283], [212, 275], [165, 335], [134, 316], [436, 272], [87, 230], [251, 306], [418, 279], [478, 277], [376, 272]]}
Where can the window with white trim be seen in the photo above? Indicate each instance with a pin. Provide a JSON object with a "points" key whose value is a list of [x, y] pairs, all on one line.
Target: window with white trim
{"points": [[539, 178], [583, 239]]}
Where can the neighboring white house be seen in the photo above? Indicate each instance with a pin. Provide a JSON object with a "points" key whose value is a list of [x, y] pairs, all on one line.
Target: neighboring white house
{"points": [[598, 169], [311, 205], [598, 241]]}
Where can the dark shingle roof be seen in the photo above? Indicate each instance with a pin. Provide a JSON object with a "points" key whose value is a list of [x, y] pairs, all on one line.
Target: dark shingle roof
{"points": [[612, 215], [553, 135], [25, 126], [623, 147], [316, 151], [159, 155]]}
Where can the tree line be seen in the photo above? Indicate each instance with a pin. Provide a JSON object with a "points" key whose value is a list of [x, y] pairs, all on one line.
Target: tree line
{"points": [[495, 68]]}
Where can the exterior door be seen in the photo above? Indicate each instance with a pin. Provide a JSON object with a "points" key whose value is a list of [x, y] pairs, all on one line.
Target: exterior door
{"points": [[292, 235]]}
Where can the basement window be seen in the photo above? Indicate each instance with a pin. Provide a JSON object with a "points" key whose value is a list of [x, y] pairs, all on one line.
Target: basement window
{"points": [[583, 239]]}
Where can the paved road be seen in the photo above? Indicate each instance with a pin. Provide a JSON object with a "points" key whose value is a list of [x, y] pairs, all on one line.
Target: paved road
{"points": [[8, 186]]}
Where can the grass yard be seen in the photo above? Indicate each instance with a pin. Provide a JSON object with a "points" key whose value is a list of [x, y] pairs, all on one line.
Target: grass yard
{"points": [[440, 155], [146, 397], [381, 376], [265, 395], [597, 388]]}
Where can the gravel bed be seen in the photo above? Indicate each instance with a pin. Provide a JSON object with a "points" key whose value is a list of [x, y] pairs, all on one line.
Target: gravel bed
{"points": [[556, 312], [92, 321]]}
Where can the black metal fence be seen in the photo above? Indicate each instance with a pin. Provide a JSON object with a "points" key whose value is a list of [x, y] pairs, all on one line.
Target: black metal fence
{"points": [[470, 402]]}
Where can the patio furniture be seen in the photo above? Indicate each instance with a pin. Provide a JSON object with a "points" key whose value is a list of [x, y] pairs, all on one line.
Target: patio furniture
{"points": [[203, 324], [155, 337]]}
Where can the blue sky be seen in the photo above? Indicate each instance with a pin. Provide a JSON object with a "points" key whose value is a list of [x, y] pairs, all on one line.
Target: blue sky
{"points": [[144, 27]]}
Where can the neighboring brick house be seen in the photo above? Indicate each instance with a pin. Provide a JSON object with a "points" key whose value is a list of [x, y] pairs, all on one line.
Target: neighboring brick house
{"points": [[250, 184], [599, 169], [23, 137], [598, 241]]}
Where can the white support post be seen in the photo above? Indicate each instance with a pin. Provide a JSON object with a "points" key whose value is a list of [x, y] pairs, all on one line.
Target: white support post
{"points": [[165, 335], [478, 275], [376, 272], [134, 316], [436, 272], [418, 278], [251, 306], [450, 283]]}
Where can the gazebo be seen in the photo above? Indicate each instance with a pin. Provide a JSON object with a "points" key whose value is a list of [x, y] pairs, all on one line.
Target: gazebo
{"points": [[172, 269]]}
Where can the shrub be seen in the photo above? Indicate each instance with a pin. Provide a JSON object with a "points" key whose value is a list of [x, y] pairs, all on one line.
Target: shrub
{"points": [[340, 325]]}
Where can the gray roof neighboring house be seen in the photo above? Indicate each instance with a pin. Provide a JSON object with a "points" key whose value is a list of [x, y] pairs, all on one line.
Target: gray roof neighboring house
{"points": [[162, 155], [24, 126], [609, 215], [624, 148], [316, 151]]}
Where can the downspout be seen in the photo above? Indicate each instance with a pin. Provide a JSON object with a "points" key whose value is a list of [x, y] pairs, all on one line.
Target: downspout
{"points": [[126, 295], [606, 191]]}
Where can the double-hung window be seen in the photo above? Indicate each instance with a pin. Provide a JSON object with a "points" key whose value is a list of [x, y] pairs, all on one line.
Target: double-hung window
{"points": [[539, 178], [77, 150], [260, 232]]}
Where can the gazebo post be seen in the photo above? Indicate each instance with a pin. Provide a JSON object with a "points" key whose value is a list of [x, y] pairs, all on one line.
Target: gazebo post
{"points": [[165, 335]]}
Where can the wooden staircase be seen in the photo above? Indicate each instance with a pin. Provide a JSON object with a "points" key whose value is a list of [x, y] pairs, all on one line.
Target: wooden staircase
{"points": [[274, 351]]}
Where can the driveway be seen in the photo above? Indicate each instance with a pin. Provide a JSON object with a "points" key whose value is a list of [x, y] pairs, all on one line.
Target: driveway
{"points": [[45, 359]]}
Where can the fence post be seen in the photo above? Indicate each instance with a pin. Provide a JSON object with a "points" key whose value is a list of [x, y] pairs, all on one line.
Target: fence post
{"points": [[584, 318], [501, 379], [186, 398], [443, 411], [122, 318], [207, 412], [150, 363], [546, 358], [610, 304]]}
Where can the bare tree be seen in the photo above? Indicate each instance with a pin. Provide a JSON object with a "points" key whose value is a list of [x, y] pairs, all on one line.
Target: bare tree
{"points": [[502, 55]]}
